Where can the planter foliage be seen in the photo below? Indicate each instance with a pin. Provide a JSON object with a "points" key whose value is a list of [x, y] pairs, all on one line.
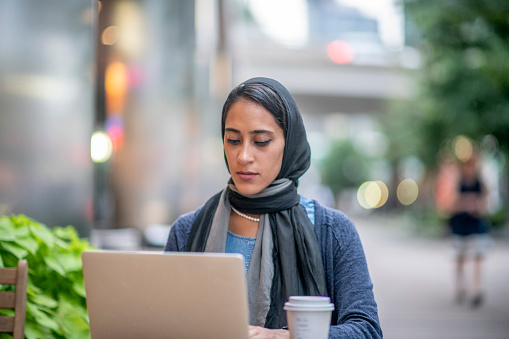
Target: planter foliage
{"points": [[56, 304]]}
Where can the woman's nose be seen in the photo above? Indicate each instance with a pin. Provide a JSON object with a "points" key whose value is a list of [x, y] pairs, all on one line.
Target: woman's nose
{"points": [[246, 154]]}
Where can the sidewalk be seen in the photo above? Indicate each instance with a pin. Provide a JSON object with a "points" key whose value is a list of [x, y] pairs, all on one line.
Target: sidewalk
{"points": [[413, 284]]}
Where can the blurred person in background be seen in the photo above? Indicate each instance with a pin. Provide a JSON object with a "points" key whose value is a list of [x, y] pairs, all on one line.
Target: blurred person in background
{"points": [[292, 245], [470, 227]]}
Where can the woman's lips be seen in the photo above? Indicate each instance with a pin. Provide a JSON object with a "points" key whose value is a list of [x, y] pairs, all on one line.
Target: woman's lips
{"points": [[246, 175]]}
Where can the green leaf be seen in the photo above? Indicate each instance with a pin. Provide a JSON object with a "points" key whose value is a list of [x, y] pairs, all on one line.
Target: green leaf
{"points": [[28, 243], [72, 320], [70, 262], [79, 288], [43, 234], [42, 318], [62, 244], [22, 232], [16, 250], [33, 289], [44, 300], [53, 263], [66, 233], [6, 222], [6, 230], [33, 331], [8, 259], [7, 312]]}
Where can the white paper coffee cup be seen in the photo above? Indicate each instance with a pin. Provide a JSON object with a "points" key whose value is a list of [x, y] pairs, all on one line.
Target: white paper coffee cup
{"points": [[308, 316]]}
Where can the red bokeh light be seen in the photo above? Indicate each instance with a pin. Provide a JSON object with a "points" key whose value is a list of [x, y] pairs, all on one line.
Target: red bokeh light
{"points": [[340, 52]]}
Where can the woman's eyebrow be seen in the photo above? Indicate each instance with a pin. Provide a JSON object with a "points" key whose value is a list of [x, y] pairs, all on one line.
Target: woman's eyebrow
{"points": [[261, 131], [256, 131]]}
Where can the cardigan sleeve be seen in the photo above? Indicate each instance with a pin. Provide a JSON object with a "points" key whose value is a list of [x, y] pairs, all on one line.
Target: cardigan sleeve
{"points": [[348, 279], [179, 233]]}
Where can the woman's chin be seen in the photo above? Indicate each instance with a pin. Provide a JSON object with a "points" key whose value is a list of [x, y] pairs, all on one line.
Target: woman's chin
{"points": [[248, 189]]}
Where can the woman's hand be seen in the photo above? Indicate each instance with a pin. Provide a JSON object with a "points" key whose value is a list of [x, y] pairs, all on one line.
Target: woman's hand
{"points": [[256, 332]]}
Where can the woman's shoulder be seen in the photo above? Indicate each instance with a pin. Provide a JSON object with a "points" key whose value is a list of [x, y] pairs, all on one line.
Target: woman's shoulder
{"points": [[180, 230], [330, 216], [336, 222], [186, 220]]}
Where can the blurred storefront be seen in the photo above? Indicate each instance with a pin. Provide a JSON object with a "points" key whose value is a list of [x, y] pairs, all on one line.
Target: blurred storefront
{"points": [[157, 109], [46, 110]]}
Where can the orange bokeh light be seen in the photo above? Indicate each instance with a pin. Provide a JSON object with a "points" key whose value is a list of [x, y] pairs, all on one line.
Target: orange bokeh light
{"points": [[116, 85]]}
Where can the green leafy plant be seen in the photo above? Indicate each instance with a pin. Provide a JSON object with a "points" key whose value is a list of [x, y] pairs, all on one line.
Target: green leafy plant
{"points": [[56, 304], [463, 83], [344, 167]]}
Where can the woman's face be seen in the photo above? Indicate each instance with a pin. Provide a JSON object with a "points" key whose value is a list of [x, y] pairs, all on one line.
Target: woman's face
{"points": [[254, 145]]}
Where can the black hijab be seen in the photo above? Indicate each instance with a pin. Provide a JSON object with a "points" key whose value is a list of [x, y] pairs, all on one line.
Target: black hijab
{"points": [[298, 268]]}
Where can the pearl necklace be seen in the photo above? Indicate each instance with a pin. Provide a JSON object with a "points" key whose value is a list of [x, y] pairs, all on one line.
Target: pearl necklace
{"points": [[246, 216]]}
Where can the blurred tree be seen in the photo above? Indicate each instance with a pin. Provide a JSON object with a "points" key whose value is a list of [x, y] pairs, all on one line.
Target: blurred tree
{"points": [[344, 167], [464, 78]]}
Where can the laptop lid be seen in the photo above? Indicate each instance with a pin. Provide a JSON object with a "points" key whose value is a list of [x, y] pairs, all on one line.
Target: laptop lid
{"points": [[165, 295]]}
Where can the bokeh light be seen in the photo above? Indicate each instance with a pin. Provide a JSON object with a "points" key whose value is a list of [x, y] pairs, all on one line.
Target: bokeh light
{"points": [[100, 147], [407, 192], [110, 35], [132, 35], [463, 148], [115, 130], [116, 83], [340, 52], [384, 193], [372, 194]]}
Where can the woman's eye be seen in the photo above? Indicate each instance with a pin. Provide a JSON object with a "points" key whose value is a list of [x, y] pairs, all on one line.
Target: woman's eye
{"points": [[263, 143], [233, 141]]}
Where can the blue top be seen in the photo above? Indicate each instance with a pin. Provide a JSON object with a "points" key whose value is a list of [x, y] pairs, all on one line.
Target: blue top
{"points": [[239, 244], [348, 282], [245, 245]]}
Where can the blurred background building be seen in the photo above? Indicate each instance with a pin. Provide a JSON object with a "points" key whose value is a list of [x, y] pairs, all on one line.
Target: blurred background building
{"points": [[110, 110], [47, 110]]}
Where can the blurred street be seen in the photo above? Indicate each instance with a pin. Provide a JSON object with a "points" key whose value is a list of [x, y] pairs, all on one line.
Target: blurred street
{"points": [[413, 283]]}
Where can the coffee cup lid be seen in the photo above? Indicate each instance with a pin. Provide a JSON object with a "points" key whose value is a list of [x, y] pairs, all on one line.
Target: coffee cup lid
{"points": [[308, 303]]}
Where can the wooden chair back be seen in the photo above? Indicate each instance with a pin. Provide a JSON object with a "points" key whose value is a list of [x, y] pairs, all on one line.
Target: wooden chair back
{"points": [[17, 276]]}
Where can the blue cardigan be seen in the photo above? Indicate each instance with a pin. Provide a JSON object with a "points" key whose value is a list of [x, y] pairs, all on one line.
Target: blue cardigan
{"points": [[348, 282]]}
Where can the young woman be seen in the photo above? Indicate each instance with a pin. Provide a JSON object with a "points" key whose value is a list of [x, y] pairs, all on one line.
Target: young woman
{"points": [[470, 228], [292, 245]]}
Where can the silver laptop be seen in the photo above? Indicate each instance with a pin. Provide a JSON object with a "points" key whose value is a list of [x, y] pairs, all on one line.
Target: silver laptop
{"points": [[165, 295]]}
